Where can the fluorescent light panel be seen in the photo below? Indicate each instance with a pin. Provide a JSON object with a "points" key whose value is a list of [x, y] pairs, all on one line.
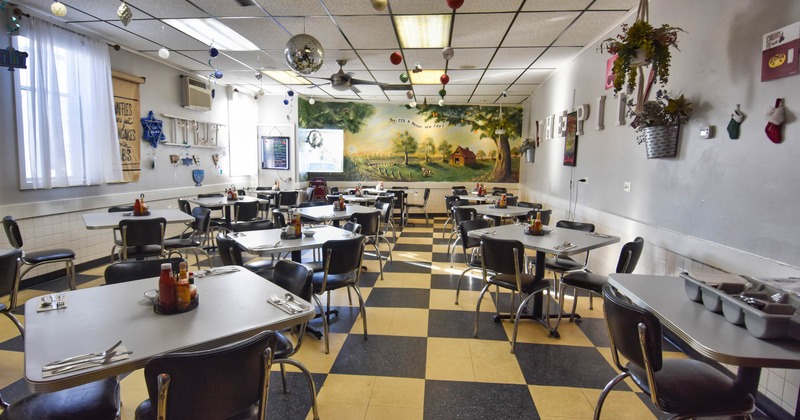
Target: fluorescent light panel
{"points": [[423, 31], [286, 77], [212, 32], [426, 77]]}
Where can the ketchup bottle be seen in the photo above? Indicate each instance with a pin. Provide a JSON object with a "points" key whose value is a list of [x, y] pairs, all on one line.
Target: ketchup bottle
{"points": [[137, 207], [166, 288]]}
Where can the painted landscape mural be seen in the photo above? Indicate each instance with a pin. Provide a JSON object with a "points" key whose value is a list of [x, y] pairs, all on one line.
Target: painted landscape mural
{"points": [[390, 142]]}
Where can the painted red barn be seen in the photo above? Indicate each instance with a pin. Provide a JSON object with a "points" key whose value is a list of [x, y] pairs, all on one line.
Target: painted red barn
{"points": [[462, 156]]}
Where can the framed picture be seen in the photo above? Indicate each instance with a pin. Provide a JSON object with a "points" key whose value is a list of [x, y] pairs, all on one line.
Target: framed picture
{"points": [[275, 152], [571, 142]]}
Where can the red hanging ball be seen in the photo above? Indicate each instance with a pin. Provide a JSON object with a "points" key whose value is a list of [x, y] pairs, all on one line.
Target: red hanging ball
{"points": [[445, 79], [396, 58], [455, 4]]}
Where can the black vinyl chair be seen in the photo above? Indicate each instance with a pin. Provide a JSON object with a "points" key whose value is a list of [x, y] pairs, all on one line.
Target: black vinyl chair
{"points": [[685, 388], [529, 205], [506, 259], [278, 219], [296, 279], [460, 214], [448, 206], [227, 382], [470, 247], [264, 201], [201, 228], [10, 263], [304, 204], [593, 283], [245, 211], [36, 258], [286, 200], [184, 206], [399, 204], [115, 231], [352, 226], [560, 265], [231, 254], [511, 200], [499, 190], [124, 271], [371, 229], [387, 210], [98, 400], [460, 192], [341, 267], [253, 225], [142, 238], [386, 217], [423, 207]]}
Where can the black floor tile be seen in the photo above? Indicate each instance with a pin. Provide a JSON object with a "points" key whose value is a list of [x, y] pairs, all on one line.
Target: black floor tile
{"points": [[475, 400], [412, 248], [389, 297], [417, 235], [558, 365], [408, 267], [595, 329], [15, 344], [341, 323], [449, 281], [382, 355], [295, 403], [461, 324], [368, 278]]}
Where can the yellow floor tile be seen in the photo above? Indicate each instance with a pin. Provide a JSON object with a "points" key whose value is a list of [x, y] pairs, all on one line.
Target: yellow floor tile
{"points": [[346, 389], [8, 329], [563, 402], [12, 367], [448, 347], [93, 283], [449, 368], [379, 322], [394, 321], [416, 281], [312, 352], [133, 392], [498, 369], [415, 241], [398, 392], [376, 412], [334, 411], [620, 405], [606, 353], [467, 300], [409, 256], [531, 331]]}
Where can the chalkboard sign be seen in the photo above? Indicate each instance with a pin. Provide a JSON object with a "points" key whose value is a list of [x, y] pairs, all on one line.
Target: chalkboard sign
{"points": [[274, 152]]}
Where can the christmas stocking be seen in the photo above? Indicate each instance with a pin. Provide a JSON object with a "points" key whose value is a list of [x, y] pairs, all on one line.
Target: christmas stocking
{"points": [[775, 118], [733, 125]]}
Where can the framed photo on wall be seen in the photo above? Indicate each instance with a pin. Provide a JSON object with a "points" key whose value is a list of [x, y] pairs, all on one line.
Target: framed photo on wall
{"points": [[571, 141]]}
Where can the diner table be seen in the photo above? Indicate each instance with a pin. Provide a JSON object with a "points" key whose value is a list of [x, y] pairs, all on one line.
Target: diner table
{"points": [[327, 214], [232, 306], [708, 333], [352, 198], [214, 203], [268, 242], [106, 220], [548, 243], [497, 213]]}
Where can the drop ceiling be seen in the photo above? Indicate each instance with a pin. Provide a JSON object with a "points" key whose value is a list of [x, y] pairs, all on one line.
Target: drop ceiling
{"points": [[500, 45]]}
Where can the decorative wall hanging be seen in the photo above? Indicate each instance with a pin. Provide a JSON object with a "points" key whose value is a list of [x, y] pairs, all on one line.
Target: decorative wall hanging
{"points": [[658, 123], [127, 110], [775, 118], [197, 176], [528, 149], [13, 59], [571, 140], [779, 55], [152, 129], [733, 125]]}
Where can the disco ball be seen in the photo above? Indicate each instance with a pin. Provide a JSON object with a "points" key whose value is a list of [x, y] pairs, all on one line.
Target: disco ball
{"points": [[304, 54]]}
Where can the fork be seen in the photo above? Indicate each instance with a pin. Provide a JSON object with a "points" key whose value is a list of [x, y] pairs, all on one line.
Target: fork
{"points": [[91, 362], [84, 356]]}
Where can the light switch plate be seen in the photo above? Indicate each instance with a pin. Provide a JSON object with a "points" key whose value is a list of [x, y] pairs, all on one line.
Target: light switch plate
{"points": [[707, 132]]}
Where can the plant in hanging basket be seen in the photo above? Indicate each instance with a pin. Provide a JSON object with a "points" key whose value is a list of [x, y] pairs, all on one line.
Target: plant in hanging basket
{"points": [[641, 44], [658, 122], [528, 149]]}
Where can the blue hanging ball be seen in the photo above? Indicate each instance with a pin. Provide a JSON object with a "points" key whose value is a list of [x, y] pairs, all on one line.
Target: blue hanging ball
{"points": [[286, 102], [213, 93], [290, 93], [213, 52], [218, 74]]}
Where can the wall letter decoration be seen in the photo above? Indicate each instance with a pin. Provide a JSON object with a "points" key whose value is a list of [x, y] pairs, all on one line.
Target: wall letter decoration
{"points": [[621, 109], [601, 113], [562, 124], [583, 115]]}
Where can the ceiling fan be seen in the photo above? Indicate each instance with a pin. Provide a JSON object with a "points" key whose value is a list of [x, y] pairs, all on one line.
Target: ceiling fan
{"points": [[342, 81]]}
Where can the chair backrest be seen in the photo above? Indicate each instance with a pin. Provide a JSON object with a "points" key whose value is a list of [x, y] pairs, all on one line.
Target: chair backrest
{"points": [[623, 320], [10, 263], [312, 204], [331, 199], [12, 231], [399, 199], [460, 191], [545, 215], [629, 256], [528, 204], [384, 199], [448, 203], [294, 277], [464, 227], [352, 227], [123, 271], [498, 255], [217, 383], [287, 198], [139, 232], [511, 201], [334, 190], [120, 209], [458, 187], [202, 219], [386, 211], [459, 202], [183, 206], [245, 211], [229, 251], [278, 219], [263, 188], [568, 224], [370, 222], [210, 195], [425, 196], [499, 190], [253, 225], [461, 214], [343, 256]]}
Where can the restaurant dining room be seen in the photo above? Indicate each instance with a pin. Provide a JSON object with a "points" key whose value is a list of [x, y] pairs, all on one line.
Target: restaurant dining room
{"points": [[399, 209]]}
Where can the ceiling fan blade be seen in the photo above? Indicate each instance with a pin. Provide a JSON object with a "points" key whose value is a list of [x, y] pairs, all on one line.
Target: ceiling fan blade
{"points": [[355, 89], [362, 82], [245, 2], [395, 87]]}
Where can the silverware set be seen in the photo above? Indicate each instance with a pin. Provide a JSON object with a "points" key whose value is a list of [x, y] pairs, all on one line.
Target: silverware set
{"points": [[216, 271], [51, 300], [84, 361], [289, 304], [564, 246]]}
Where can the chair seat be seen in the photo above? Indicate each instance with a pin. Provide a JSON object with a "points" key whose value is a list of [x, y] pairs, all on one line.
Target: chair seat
{"points": [[529, 282], [562, 264], [335, 281], [181, 243], [38, 257], [585, 280], [259, 265], [284, 347], [146, 411], [144, 251], [93, 401], [690, 386]]}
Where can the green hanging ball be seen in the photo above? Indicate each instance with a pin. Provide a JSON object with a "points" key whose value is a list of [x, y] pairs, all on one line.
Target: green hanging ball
{"points": [[442, 93], [403, 77]]}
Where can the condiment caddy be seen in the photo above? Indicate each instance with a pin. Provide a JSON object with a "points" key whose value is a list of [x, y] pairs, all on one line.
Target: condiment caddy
{"points": [[534, 227], [140, 208], [176, 293]]}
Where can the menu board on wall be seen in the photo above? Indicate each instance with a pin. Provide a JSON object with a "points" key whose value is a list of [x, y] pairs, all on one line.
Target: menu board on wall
{"points": [[274, 152], [126, 109]]}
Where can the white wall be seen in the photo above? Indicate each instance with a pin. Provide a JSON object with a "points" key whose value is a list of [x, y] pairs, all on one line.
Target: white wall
{"points": [[722, 204]]}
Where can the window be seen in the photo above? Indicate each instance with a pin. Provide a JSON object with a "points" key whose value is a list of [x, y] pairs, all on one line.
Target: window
{"points": [[65, 110]]}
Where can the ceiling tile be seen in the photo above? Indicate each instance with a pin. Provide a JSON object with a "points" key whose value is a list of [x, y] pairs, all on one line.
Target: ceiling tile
{"points": [[369, 31], [555, 57], [535, 76], [477, 58], [538, 29], [321, 28], [121, 36], [587, 27], [484, 30], [614, 5], [515, 58], [551, 5]]}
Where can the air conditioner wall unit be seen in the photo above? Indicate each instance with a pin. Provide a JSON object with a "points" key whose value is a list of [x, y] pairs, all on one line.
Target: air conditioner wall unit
{"points": [[195, 94]]}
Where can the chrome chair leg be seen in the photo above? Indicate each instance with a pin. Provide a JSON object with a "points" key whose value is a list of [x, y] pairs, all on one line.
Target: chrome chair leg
{"points": [[311, 387], [605, 392], [478, 309]]}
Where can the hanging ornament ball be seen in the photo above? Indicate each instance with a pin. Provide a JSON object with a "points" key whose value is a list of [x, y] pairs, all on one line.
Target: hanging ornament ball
{"points": [[218, 74], [455, 4], [163, 53], [403, 77], [379, 5], [286, 102], [213, 52], [448, 53], [290, 93], [442, 93], [261, 92], [441, 102], [213, 93], [445, 79], [410, 94], [58, 9], [396, 58], [413, 104], [311, 101], [304, 54]]}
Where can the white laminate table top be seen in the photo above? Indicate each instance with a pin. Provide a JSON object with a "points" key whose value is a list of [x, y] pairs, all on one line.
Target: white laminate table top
{"points": [[491, 210], [354, 198], [232, 307], [583, 241], [326, 213], [258, 242], [707, 332], [108, 220], [216, 202]]}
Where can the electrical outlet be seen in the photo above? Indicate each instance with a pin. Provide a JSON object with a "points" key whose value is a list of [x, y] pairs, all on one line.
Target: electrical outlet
{"points": [[584, 180], [627, 186]]}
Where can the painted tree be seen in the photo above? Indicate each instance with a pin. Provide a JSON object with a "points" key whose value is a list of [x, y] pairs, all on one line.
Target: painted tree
{"points": [[404, 143], [492, 154], [348, 116], [428, 148], [515, 151], [446, 149], [485, 121], [481, 155]]}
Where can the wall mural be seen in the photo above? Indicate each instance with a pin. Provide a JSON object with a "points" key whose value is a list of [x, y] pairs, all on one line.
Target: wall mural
{"points": [[390, 142]]}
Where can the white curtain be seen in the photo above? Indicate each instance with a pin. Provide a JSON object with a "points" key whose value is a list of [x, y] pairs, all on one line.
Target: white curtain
{"points": [[67, 127]]}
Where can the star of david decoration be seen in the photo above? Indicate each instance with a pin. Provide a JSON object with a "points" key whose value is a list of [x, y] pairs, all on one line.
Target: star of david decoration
{"points": [[152, 129]]}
